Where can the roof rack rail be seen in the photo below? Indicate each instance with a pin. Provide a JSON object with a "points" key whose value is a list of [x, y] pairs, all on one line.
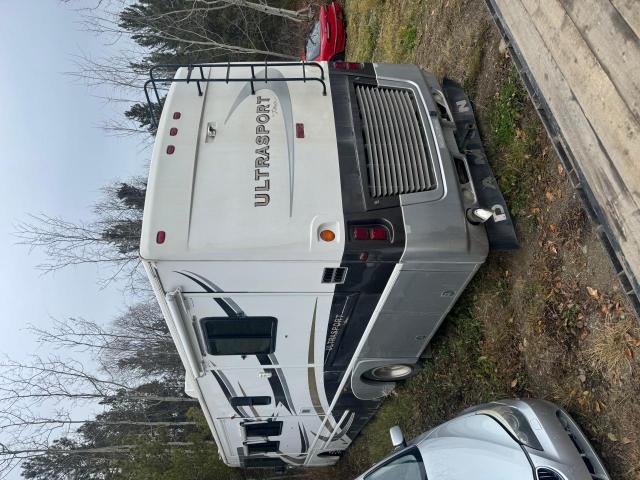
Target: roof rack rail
{"points": [[252, 79]]}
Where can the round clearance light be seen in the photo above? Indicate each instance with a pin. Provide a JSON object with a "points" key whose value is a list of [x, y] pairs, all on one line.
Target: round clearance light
{"points": [[176, 115], [161, 236], [173, 132], [171, 149], [327, 235]]}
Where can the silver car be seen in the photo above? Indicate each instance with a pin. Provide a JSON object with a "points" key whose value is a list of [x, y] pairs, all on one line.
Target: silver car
{"points": [[505, 440]]}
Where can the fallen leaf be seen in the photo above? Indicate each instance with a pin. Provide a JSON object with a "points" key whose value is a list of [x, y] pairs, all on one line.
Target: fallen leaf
{"points": [[583, 378], [553, 228], [592, 292], [626, 440], [597, 406], [514, 382], [549, 196], [612, 437], [560, 169]]}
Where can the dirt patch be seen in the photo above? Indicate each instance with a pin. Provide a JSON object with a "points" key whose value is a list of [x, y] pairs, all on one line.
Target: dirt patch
{"points": [[546, 321]]}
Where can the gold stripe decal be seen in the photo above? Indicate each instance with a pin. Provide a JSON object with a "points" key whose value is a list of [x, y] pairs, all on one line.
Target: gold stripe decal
{"points": [[311, 371]]}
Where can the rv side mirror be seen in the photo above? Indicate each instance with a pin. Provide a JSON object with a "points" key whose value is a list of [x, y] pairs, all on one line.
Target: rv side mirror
{"points": [[397, 438]]}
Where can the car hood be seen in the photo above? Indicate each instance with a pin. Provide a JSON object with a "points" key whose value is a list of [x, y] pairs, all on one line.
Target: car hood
{"points": [[473, 447]]}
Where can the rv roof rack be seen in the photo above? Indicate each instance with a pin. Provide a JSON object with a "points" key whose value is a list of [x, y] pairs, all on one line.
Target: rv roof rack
{"points": [[199, 67]]}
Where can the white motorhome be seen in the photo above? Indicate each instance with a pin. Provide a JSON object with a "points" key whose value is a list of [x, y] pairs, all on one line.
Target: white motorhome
{"points": [[307, 227]]}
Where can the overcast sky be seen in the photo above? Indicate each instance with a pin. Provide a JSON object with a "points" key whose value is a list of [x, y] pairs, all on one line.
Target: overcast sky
{"points": [[53, 159]]}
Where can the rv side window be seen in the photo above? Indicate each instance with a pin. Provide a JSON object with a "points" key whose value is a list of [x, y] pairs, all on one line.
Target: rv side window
{"points": [[263, 447], [240, 335], [249, 401], [263, 429]]}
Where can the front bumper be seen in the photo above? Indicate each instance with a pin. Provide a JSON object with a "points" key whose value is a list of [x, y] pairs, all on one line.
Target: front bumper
{"points": [[565, 448]]}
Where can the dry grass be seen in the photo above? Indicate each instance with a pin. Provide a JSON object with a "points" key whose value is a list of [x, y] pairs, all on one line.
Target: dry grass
{"points": [[612, 348], [383, 30], [547, 321]]}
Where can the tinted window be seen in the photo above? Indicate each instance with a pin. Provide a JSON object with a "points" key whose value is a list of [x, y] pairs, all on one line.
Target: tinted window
{"points": [[313, 43], [263, 447], [263, 429], [240, 335], [405, 467], [248, 401]]}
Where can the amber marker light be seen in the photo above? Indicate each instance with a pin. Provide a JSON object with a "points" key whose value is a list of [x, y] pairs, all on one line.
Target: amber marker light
{"points": [[327, 235]]}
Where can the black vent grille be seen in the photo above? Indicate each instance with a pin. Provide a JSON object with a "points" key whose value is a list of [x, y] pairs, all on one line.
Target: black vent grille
{"points": [[334, 275], [584, 450], [548, 474], [396, 148]]}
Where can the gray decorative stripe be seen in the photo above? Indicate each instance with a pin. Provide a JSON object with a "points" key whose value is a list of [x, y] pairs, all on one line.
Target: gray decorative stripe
{"points": [[311, 371], [290, 459], [304, 442], [251, 407], [230, 307], [228, 391], [209, 283], [281, 90], [283, 382], [343, 430], [236, 308]]}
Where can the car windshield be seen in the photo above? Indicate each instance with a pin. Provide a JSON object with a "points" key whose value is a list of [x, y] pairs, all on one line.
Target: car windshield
{"points": [[406, 467], [313, 43]]}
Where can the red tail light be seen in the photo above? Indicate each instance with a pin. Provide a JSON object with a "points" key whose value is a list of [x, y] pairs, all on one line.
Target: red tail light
{"points": [[161, 236], [347, 66], [379, 233], [361, 233], [375, 232]]}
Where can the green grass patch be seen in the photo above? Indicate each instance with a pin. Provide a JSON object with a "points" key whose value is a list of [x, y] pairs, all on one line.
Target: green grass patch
{"points": [[512, 140], [372, 33], [408, 37], [382, 30], [505, 113]]}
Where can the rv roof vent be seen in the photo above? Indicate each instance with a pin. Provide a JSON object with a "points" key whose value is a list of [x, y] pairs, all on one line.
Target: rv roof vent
{"points": [[334, 275]]}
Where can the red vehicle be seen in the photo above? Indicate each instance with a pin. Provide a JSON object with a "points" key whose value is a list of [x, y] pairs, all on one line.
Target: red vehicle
{"points": [[328, 37]]}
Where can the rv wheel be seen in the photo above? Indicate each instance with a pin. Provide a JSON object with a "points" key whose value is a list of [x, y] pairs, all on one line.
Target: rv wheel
{"points": [[390, 373]]}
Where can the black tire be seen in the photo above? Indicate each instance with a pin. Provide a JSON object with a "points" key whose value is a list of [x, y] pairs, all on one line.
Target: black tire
{"points": [[390, 373]]}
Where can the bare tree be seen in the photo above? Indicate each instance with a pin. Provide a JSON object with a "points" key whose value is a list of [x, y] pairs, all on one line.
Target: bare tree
{"points": [[186, 29], [109, 241], [302, 15], [29, 385], [70, 243], [136, 343], [68, 455], [37, 401]]}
